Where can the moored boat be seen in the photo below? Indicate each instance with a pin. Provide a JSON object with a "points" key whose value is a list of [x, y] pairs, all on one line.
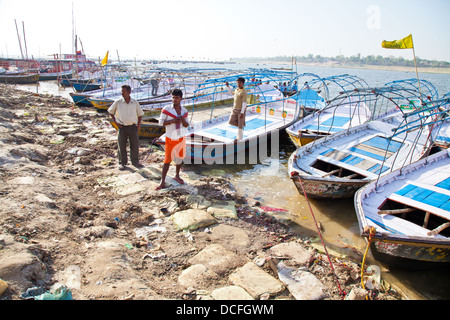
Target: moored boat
{"points": [[337, 165], [44, 76], [19, 78], [339, 115], [268, 113], [150, 128], [405, 215]]}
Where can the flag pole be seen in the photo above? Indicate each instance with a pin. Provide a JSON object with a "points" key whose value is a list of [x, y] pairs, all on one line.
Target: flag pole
{"points": [[415, 63]]}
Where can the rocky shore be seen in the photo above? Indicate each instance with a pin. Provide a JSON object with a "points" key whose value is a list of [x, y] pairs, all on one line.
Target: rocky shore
{"points": [[72, 223]]}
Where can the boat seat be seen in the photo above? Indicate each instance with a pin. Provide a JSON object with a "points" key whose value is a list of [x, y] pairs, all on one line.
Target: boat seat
{"points": [[227, 133], [333, 124], [219, 134], [427, 198], [377, 148], [398, 225], [353, 162]]}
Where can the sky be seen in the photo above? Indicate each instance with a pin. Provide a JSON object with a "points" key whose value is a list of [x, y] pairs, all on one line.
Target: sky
{"points": [[220, 30]]}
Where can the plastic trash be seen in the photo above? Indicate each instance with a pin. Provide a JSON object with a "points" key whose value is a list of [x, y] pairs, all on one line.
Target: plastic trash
{"points": [[373, 277], [59, 292], [31, 293]]}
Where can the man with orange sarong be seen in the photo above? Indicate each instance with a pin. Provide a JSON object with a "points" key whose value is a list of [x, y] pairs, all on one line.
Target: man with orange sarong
{"points": [[174, 118]]}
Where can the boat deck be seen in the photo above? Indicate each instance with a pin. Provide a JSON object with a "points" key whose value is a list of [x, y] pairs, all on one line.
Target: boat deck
{"points": [[254, 125], [428, 191], [330, 125], [365, 158]]}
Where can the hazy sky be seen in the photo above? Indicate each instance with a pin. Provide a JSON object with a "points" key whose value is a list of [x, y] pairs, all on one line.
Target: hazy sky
{"points": [[215, 29]]}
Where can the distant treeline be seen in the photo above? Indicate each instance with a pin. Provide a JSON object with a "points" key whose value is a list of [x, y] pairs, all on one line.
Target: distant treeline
{"points": [[359, 60]]}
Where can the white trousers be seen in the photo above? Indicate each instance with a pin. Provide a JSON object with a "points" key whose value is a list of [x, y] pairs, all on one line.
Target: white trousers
{"points": [[240, 134]]}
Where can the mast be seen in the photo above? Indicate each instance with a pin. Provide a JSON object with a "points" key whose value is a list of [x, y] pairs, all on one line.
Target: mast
{"points": [[18, 36], [25, 40], [73, 31]]}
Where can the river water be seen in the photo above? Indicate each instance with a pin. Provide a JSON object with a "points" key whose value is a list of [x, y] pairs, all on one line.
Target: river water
{"points": [[268, 182]]}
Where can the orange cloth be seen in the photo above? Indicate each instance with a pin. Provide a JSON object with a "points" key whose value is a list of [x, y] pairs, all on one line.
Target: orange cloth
{"points": [[175, 148]]}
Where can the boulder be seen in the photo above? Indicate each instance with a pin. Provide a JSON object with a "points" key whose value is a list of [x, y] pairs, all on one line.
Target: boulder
{"points": [[197, 276], [192, 219], [302, 284], [231, 293], [293, 251], [223, 209], [218, 259], [256, 281]]}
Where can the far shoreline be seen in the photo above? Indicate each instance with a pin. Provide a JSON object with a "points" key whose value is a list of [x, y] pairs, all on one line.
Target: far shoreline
{"points": [[433, 70]]}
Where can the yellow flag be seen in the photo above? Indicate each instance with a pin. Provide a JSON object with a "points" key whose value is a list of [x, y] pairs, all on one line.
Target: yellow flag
{"points": [[405, 43], [105, 59]]}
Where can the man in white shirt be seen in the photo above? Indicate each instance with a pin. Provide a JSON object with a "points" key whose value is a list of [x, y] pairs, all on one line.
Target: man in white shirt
{"points": [[174, 118], [127, 113]]}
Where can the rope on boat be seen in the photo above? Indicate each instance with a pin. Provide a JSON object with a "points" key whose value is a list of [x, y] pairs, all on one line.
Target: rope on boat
{"points": [[341, 292], [371, 231]]}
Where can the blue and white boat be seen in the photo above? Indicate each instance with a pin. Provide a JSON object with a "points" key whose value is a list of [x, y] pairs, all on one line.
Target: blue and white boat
{"points": [[405, 215], [339, 115], [268, 112], [337, 165]]}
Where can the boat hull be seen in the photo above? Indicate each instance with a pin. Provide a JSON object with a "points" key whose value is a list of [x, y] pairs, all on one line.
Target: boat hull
{"points": [[303, 139], [85, 87], [19, 79], [81, 99], [101, 104], [147, 130], [413, 254], [55, 75], [324, 189]]}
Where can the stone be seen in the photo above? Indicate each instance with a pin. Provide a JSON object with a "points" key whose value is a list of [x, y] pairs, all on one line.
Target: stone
{"points": [[192, 219], [131, 178], [293, 251], [256, 281], [357, 294], [23, 180], [230, 237], [198, 202], [24, 266], [231, 293], [43, 198], [130, 189], [223, 209], [197, 276], [218, 259], [302, 284]]}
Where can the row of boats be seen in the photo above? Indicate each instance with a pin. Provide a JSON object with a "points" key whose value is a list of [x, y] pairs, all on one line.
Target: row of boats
{"points": [[385, 147]]}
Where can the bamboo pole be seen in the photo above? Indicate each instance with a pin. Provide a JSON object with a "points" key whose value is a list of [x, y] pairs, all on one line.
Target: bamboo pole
{"points": [[415, 64], [18, 36], [25, 40]]}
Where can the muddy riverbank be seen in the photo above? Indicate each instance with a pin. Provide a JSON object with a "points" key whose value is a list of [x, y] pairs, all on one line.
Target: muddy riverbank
{"points": [[70, 217]]}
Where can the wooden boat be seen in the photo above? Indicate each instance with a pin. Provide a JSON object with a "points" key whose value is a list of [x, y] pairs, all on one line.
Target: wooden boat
{"points": [[20, 78], [150, 128], [335, 117], [82, 98], [337, 165], [409, 212], [45, 76], [213, 140], [85, 87]]}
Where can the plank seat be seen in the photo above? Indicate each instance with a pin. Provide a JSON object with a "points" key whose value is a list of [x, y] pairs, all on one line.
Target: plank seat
{"points": [[426, 198]]}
